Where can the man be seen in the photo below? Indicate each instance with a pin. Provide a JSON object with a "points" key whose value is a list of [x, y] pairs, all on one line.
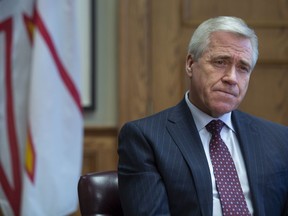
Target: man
{"points": [[169, 163]]}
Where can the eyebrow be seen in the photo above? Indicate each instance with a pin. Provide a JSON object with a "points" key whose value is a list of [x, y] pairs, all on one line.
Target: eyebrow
{"points": [[227, 57]]}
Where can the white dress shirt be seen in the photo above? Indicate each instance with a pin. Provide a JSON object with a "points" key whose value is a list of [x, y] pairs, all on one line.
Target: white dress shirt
{"points": [[228, 135]]}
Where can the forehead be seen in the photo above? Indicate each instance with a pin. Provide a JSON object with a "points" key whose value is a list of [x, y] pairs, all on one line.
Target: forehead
{"points": [[230, 45]]}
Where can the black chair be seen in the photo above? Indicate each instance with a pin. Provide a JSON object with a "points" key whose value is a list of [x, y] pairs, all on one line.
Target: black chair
{"points": [[98, 194]]}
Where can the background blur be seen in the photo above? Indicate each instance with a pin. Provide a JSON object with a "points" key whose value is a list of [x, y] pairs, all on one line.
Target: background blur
{"points": [[140, 55], [140, 49]]}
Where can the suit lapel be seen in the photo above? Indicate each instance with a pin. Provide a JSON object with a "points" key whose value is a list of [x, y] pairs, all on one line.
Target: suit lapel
{"points": [[183, 130], [250, 140]]}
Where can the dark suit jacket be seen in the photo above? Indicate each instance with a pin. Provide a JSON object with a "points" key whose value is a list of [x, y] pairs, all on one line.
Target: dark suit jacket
{"points": [[163, 169]]}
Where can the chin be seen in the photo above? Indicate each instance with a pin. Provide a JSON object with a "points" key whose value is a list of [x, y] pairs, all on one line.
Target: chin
{"points": [[217, 111]]}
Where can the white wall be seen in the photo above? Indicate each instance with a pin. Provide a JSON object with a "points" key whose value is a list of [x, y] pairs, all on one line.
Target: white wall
{"points": [[105, 113]]}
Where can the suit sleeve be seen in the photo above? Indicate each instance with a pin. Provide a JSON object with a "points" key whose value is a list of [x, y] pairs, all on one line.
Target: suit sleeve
{"points": [[142, 191]]}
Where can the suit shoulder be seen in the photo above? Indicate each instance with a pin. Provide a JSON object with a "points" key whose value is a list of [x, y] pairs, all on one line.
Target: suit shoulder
{"points": [[156, 117], [177, 112]]}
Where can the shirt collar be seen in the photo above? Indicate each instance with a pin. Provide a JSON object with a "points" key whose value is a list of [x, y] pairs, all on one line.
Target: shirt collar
{"points": [[202, 119]]}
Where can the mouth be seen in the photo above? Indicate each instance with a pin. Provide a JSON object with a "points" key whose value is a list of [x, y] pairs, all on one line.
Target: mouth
{"points": [[231, 93]]}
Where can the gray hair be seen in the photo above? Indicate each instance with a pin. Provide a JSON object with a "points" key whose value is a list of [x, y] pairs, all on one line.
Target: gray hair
{"points": [[201, 37]]}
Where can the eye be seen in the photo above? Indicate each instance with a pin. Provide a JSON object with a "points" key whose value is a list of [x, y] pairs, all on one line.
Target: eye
{"points": [[220, 62], [244, 68]]}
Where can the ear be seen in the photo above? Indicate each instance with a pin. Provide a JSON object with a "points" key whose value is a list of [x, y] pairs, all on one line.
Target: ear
{"points": [[189, 62]]}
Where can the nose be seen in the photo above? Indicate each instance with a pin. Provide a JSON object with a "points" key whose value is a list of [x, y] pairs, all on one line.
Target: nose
{"points": [[230, 76]]}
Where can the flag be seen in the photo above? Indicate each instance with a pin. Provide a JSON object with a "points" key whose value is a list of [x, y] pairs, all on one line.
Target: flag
{"points": [[41, 122]]}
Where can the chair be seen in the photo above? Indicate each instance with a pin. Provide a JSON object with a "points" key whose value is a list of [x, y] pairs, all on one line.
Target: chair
{"points": [[98, 194]]}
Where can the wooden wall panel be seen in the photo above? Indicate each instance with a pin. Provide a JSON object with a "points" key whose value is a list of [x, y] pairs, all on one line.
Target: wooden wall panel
{"points": [[168, 61], [153, 39], [134, 59], [273, 45], [268, 93], [165, 26], [100, 149], [254, 11]]}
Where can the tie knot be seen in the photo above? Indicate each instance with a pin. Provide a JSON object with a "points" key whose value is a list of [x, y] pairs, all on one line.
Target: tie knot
{"points": [[215, 126]]}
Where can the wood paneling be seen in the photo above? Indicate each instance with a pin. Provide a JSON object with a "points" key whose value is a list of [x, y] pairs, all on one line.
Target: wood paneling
{"points": [[149, 75], [270, 21], [251, 10], [165, 27], [134, 59], [100, 149], [168, 83], [268, 93]]}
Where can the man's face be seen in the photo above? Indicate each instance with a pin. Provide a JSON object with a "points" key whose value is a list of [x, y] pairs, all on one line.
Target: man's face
{"points": [[220, 78]]}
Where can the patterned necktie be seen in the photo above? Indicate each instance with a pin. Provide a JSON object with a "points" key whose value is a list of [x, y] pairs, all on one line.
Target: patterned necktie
{"points": [[227, 181]]}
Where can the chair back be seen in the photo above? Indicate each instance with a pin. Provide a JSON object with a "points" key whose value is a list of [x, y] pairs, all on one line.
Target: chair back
{"points": [[98, 194]]}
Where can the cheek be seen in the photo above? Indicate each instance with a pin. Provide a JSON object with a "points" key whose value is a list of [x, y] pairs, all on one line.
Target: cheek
{"points": [[202, 85], [244, 85], [203, 79]]}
